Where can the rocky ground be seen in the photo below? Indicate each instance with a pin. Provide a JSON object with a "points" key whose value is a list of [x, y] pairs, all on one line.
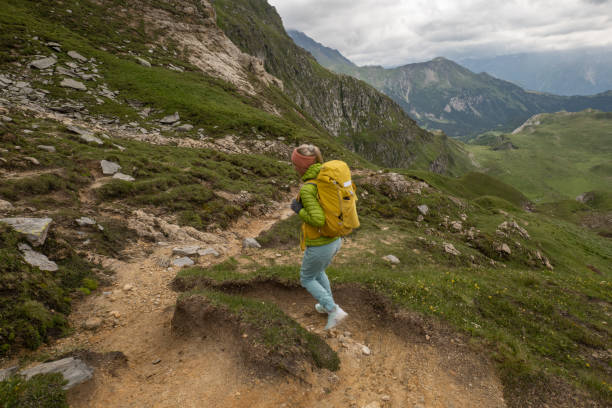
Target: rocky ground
{"points": [[379, 367]]}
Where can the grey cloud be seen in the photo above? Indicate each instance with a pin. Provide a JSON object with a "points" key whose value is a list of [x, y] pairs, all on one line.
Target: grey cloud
{"points": [[394, 32]]}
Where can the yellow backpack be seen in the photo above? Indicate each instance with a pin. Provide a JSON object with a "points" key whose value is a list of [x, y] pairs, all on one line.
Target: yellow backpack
{"points": [[337, 196]]}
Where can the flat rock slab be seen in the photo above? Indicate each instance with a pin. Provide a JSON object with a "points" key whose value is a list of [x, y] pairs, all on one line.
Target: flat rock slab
{"points": [[124, 177], [168, 120], [450, 249], [209, 251], [85, 135], [35, 229], [50, 149], [186, 250], [109, 168], [77, 56], [37, 259], [85, 221], [182, 262], [71, 83], [184, 128], [43, 63], [143, 62], [7, 372], [75, 371]]}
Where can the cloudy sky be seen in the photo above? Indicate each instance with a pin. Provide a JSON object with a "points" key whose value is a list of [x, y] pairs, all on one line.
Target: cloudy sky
{"points": [[395, 32]]}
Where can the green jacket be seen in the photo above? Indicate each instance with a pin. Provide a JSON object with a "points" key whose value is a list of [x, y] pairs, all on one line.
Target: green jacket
{"points": [[312, 213]]}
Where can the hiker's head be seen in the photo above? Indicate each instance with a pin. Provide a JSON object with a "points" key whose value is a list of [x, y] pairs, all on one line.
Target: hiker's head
{"points": [[305, 156]]}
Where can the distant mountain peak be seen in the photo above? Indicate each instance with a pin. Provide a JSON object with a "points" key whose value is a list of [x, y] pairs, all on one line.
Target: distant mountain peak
{"points": [[326, 56]]}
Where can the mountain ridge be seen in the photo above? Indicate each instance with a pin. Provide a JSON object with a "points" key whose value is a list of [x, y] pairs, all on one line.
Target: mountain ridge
{"points": [[441, 94], [572, 72]]}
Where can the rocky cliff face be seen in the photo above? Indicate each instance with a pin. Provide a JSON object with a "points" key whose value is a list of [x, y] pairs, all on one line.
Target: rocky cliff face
{"points": [[367, 121]]}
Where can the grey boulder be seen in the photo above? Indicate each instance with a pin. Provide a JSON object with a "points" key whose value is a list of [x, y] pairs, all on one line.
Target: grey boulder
{"points": [[85, 221], [35, 229], [43, 63], [182, 262], [37, 259], [209, 251], [143, 62], [71, 83], [391, 259], [186, 250], [7, 372], [109, 167], [124, 177], [75, 371], [423, 209], [250, 243], [168, 120], [77, 56], [85, 135]]}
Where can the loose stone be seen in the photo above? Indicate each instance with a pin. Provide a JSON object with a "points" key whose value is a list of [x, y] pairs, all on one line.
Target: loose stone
{"points": [[392, 259], [423, 209], [43, 63], [169, 120], [250, 243], [109, 168], [71, 83], [50, 149], [182, 262], [124, 177], [77, 56]]}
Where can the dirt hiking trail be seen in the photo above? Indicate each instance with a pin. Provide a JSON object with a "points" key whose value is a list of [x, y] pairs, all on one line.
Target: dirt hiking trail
{"points": [[167, 370]]}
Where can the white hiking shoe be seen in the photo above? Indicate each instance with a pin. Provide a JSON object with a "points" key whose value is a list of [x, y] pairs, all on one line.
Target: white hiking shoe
{"points": [[335, 317], [320, 309]]}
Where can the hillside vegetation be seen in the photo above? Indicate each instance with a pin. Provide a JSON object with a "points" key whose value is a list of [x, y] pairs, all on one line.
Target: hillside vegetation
{"points": [[367, 121], [199, 159], [542, 325], [554, 157]]}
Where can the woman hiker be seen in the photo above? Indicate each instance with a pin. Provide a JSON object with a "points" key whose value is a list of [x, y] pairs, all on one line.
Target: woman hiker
{"points": [[307, 160]]}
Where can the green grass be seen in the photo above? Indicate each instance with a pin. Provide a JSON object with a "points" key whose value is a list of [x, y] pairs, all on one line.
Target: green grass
{"points": [[34, 304], [170, 180], [40, 391], [536, 323], [284, 234], [563, 157], [207, 103], [474, 185]]}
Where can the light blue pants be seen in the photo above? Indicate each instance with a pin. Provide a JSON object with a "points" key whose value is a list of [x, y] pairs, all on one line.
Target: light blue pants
{"points": [[312, 274]]}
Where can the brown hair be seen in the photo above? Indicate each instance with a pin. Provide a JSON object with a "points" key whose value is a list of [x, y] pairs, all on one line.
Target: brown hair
{"points": [[310, 150]]}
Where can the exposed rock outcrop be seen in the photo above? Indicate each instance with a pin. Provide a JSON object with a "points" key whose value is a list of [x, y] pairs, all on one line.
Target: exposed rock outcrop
{"points": [[35, 229]]}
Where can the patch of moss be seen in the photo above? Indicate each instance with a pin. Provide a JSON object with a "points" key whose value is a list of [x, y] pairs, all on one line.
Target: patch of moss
{"points": [[40, 391], [35, 303]]}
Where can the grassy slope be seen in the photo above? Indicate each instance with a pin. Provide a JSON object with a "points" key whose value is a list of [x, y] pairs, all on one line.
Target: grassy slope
{"points": [[330, 98], [537, 324], [207, 103], [35, 304], [566, 155]]}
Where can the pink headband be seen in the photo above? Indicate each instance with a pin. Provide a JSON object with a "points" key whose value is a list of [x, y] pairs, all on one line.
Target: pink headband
{"points": [[301, 162]]}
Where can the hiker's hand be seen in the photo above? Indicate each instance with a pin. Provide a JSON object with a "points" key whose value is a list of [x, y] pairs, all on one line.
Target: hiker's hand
{"points": [[296, 206]]}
